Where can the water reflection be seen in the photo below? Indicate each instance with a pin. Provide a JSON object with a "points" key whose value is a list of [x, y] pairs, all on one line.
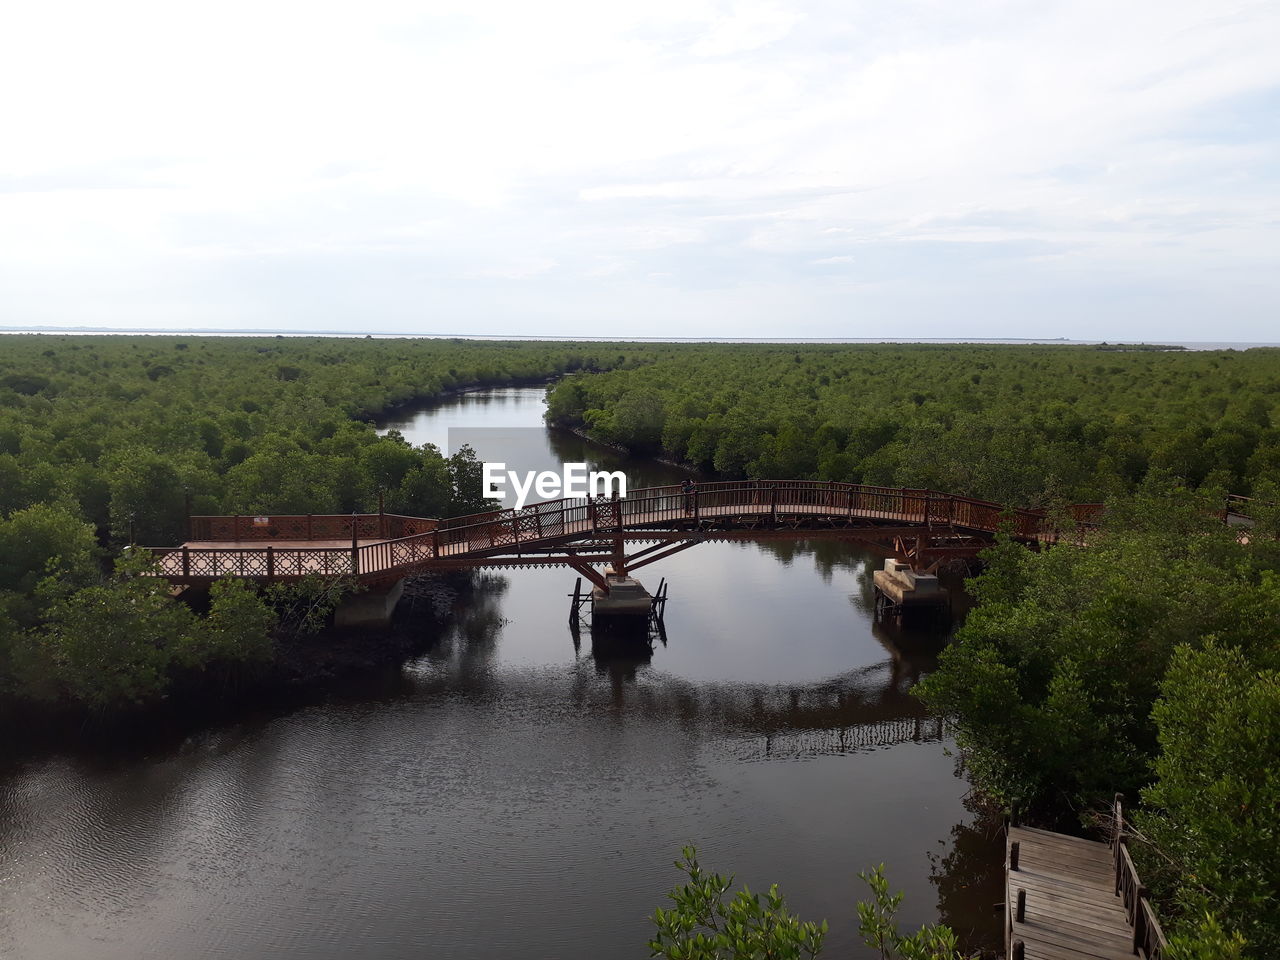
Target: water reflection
{"points": [[970, 881], [508, 794]]}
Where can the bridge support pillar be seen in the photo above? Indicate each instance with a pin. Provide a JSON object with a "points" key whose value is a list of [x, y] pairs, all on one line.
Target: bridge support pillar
{"points": [[372, 608], [626, 600]]}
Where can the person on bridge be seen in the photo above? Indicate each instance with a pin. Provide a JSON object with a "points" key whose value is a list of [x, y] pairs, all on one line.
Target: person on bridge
{"points": [[690, 490]]}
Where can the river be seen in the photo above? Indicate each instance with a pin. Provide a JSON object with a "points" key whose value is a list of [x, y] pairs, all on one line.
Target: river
{"points": [[516, 791]]}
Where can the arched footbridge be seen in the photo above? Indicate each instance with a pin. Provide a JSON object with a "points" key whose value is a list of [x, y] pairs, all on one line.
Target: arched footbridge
{"points": [[925, 528]]}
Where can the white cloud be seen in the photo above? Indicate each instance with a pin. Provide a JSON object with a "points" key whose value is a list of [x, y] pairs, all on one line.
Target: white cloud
{"points": [[160, 158]]}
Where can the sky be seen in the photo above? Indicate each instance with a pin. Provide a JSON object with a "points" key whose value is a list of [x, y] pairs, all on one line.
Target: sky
{"points": [[914, 168]]}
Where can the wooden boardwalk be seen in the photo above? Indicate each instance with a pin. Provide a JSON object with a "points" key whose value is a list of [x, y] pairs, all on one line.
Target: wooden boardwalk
{"points": [[1061, 901], [924, 527]]}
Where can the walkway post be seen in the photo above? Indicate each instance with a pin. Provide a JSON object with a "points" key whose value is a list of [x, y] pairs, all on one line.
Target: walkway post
{"points": [[1139, 917], [619, 549], [355, 543]]}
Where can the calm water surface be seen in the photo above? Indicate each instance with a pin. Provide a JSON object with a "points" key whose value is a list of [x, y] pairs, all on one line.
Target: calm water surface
{"points": [[514, 793]]}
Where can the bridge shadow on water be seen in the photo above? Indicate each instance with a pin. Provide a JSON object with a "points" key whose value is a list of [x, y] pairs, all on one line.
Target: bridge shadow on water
{"points": [[604, 703]]}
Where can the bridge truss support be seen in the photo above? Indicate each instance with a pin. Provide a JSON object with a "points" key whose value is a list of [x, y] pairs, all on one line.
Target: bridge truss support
{"points": [[371, 608]]}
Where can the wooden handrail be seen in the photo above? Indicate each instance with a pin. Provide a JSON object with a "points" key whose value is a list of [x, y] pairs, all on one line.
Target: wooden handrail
{"points": [[1148, 937], [400, 542]]}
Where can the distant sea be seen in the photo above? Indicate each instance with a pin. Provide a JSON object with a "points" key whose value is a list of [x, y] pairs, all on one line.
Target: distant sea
{"points": [[342, 334]]}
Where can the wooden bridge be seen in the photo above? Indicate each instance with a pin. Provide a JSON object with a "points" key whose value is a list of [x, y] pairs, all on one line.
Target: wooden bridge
{"points": [[923, 527], [1067, 898]]}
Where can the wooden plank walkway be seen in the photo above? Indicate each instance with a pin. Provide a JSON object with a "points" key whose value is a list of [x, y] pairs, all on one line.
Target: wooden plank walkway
{"points": [[935, 526], [1069, 906]]}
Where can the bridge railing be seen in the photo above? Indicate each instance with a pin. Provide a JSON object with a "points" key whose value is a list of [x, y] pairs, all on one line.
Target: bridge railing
{"points": [[656, 504], [401, 542], [194, 564], [337, 526], [1148, 937]]}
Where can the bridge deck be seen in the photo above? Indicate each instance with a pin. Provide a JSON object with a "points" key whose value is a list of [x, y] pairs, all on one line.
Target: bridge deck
{"points": [[302, 557], [1072, 909], [274, 548]]}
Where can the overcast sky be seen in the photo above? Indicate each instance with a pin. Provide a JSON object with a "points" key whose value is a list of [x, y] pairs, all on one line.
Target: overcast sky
{"points": [[847, 169]]}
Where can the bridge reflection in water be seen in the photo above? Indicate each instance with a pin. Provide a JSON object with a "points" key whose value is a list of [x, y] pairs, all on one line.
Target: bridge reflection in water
{"points": [[500, 792], [860, 709]]}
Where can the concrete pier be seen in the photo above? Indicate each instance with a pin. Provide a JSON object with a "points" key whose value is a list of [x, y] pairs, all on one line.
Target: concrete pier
{"points": [[899, 587], [626, 598], [372, 608]]}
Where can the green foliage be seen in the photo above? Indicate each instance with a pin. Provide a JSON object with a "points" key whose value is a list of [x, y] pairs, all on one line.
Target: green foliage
{"points": [[1011, 424], [1053, 678], [112, 435], [123, 428], [466, 481], [117, 643], [1207, 941], [1214, 809], [42, 541], [303, 607], [702, 925], [238, 628], [45, 551], [878, 925]]}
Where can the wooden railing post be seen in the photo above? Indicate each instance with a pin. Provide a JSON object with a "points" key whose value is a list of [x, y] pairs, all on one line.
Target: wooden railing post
{"points": [[271, 562], [1121, 839], [773, 504], [1020, 913], [435, 542], [1018, 951], [1014, 850], [186, 562], [1139, 918], [355, 543]]}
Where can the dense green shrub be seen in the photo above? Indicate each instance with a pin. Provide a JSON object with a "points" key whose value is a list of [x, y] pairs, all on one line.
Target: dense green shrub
{"points": [[1013, 424]]}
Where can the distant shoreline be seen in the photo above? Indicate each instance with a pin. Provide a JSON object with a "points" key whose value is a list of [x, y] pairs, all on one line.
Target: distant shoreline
{"points": [[354, 335]]}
